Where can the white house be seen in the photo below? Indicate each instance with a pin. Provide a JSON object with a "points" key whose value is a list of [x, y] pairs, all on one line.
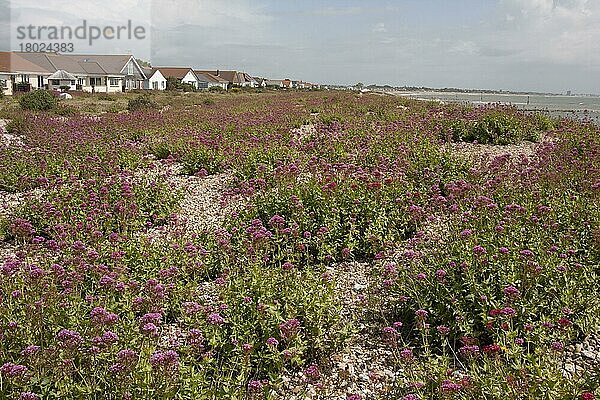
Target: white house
{"points": [[274, 83], [261, 82], [206, 80], [234, 78], [156, 80], [183, 75], [19, 74]]}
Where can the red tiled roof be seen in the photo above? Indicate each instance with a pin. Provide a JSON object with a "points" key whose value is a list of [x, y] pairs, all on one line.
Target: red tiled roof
{"points": [[173, 72]]}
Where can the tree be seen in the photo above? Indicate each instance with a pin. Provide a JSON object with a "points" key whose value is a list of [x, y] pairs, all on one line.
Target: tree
{"points": [[143, 63]]}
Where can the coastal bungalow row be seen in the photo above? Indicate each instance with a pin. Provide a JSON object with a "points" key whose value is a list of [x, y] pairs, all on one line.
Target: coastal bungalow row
{"points": [[21, 71]]}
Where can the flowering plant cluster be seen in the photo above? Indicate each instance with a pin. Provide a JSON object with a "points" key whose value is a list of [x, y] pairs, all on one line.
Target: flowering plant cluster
{"points": [[485, 269]]}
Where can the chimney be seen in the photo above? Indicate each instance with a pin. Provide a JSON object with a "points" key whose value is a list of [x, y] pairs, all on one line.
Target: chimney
{"points": [[218, 72]]}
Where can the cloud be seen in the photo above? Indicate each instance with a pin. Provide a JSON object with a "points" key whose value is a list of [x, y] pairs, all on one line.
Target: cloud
{"points": [[379, 27], [464, 47], [564, 32], [338, 11], [208, 13]]}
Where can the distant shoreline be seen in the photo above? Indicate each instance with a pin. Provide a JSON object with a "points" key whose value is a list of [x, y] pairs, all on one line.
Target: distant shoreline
{"points": [[410, 89], [574, 106], [458, 93]]}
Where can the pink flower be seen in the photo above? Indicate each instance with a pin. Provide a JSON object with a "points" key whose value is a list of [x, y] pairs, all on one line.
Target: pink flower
{"points": [[406, 355], [449, 386], [312, 372], [512, 292], [557, 346], [289, 328], [215, 319], [479, 250], [255, 386], [443, 330]]}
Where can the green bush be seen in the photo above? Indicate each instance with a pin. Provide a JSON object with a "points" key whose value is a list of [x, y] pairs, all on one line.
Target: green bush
{"points": [[106, 97], [498, 127], [39, 100], [143, 102], [217, 89], [65, 111], [177, 85], [114, 109]]}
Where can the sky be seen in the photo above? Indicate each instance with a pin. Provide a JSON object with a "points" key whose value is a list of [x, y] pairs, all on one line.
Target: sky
{"points": [[530, 45]]}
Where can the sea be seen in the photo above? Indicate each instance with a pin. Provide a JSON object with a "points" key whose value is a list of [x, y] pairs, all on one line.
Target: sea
{"points": [[585, 108]]}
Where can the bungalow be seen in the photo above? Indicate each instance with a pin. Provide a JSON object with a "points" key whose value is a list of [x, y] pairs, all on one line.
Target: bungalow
{"points": [[260, 82], [206, 80], [274, 83], [19, 74], [156, 80], [93, 73], [234, 78], [183, 75]]}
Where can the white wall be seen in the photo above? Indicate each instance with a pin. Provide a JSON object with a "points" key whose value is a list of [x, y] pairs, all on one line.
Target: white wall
{"points": [[156, 80], [32, 79], [191, 79], [6, 84]]}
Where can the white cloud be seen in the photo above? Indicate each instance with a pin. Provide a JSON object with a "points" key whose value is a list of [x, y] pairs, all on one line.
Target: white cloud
{"points": [[208, 13], [565, 32], [338, 11], [464, 47], [379, 27]]}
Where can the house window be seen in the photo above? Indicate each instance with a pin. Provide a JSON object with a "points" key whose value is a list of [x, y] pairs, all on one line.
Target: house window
{"points": [[130, 68], [155, 85], [73, 83], [163, 84], [25, 78], [114, 82], [55, 82], [80, 81], [95, 81]]}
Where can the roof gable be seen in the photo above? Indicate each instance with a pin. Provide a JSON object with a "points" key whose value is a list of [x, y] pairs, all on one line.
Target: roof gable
{"points": [[174, 72]]}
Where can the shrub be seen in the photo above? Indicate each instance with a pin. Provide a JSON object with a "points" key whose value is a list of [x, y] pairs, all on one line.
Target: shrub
{"points": [[175, 84], [17, 125], [39, 100], [106, 97], [114, 108], [65, 111], [217, 89], [143, 102]]}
